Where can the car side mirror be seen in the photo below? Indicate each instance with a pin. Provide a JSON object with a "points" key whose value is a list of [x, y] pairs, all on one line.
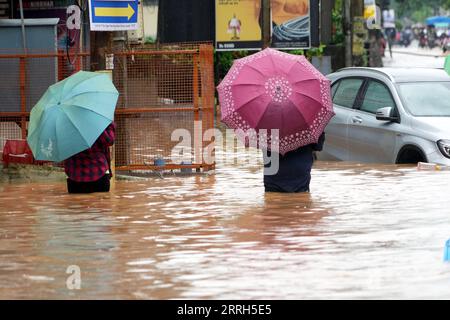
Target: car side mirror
{"points": [[386, 114]]}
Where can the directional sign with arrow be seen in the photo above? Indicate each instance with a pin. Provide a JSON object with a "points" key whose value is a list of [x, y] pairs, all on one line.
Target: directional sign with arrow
{"points": [[113, 15]]}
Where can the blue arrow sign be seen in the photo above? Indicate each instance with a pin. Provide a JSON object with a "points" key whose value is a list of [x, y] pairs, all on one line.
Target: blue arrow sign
{"points": [[108, 15]]}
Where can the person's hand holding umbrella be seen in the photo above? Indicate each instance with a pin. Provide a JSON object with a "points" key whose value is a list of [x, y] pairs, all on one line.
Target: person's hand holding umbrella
{"points": [[71, 115]]}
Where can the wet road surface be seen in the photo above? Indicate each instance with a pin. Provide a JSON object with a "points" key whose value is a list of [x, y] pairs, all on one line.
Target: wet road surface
{"points": [[365, 231]]}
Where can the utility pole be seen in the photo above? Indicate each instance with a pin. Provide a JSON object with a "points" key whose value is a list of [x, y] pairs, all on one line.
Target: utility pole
{"points": [[266, 23], [358, 37], [348, 33], [357, 8], [352, 8]]}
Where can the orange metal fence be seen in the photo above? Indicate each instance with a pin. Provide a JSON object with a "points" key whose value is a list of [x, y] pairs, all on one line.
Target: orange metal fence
{"points": [[24, 78], [162, 91]]}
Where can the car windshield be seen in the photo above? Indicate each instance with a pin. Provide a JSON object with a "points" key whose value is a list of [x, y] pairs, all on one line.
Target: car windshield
{"points": [[426, 99]]}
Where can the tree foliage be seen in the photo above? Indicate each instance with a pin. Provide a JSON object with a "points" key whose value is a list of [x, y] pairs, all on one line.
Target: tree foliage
{"points": [[419, 8]]}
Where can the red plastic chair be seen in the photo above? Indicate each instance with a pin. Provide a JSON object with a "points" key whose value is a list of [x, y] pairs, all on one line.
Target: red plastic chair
{"points": [[17, 151]]}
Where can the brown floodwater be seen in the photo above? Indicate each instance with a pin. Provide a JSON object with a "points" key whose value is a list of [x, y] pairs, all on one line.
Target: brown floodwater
{"points": [[364, 232]]}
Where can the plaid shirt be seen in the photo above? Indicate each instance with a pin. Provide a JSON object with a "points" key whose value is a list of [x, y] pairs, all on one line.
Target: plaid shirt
{"points": [[92, 164]]}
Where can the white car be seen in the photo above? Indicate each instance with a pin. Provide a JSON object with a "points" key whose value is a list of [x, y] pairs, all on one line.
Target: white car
{"points": [[389, 115]]}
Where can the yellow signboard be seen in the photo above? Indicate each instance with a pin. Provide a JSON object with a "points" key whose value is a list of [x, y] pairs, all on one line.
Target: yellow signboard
{"points": [[238, 24], [370, 9], [372, 14], [369, 12]]}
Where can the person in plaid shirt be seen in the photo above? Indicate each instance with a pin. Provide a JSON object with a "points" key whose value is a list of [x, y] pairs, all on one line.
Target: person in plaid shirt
{"points": [[89, 171]]}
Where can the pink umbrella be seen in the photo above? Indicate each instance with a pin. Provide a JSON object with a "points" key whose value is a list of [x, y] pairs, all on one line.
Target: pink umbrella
{"points": [[276, 90]]}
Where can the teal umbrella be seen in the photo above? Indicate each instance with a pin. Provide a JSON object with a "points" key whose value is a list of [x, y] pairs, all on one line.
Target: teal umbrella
{"points": [[447, 64], [71, 115]]}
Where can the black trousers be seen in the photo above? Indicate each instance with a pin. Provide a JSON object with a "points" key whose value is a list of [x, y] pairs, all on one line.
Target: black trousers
{"points": [[273, 189], [100, 185]]}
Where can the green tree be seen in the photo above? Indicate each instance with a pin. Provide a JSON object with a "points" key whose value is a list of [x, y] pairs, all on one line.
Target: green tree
{"points": [[413, 8]]}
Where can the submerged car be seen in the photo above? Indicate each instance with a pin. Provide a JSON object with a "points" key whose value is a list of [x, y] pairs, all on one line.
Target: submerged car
{"points": [[389, 115]]}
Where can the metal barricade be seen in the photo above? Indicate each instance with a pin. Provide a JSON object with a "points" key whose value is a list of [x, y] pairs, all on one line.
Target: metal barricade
{"points": [[163, 92]]}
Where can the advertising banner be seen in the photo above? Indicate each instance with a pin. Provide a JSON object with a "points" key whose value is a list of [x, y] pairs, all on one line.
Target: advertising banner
{"points": [[238, 24], [291, 24]]}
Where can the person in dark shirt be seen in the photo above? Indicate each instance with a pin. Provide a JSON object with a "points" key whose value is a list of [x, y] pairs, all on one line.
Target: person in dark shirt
{"points": [[87, 171], [294, 173]]}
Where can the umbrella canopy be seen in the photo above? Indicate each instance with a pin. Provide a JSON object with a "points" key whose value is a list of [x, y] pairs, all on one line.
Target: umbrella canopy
{"points": [[71, 115], [447, 64], [441, 20], [276, 90]]}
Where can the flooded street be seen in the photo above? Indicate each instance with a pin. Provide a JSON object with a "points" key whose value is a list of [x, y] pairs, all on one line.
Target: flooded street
{"points": [[413, 56], [150, 91], [364, 232]]}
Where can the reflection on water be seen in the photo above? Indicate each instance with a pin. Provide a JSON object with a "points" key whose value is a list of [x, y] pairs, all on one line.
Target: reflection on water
{"points": [[365, 231]]}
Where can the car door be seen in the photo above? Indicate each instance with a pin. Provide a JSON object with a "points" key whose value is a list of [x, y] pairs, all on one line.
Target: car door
{"points": [[372, 140], [344, 94]]}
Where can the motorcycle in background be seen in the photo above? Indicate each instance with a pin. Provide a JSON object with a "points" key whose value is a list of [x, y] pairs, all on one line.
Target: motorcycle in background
{"points": [[406, 37], [446, 45], [423, 41]]}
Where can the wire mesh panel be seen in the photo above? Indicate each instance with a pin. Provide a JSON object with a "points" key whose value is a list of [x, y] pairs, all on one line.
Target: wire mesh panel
{"points": [[146, 137], [10, 129], [10, 85], [25, 78], [165, 105]]}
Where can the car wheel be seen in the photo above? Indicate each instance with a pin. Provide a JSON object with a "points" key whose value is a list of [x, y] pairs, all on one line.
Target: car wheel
{"points": [[410, 154]]}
